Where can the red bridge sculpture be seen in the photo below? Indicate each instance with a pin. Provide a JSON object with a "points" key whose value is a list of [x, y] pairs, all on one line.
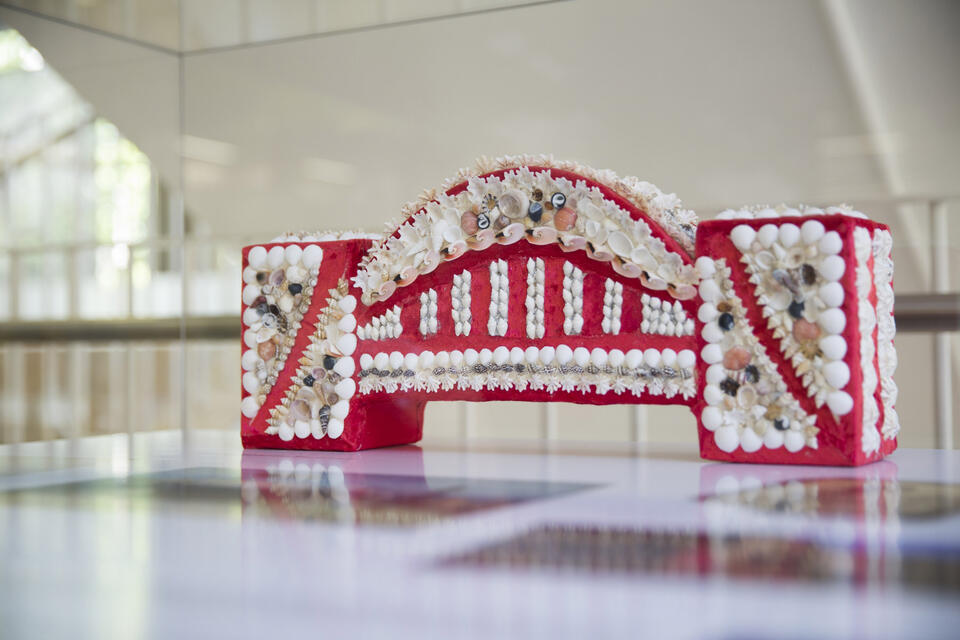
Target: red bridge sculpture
{"points": [[529, 279]]}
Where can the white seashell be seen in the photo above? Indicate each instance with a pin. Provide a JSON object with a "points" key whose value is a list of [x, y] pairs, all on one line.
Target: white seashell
{"points": [[285, 432], [773, 438], [513, 204], [615, 358], [411, 361], [345, 366], [711, 418], [832, 268], [651, 357], [312, 257], [605, 325], [347, 303], [633, 358], [340, 409], [251, 383], [686, 359], [726, 439], [382, 361], [292, 254], [470, 357], [750, 441], [531, 355], [564, 355], [256, 257], [716, 374], [598, 357], [793, 441], [766, 260], [767, 235], [347, 344], [275, 257], [502, 326], [705, 266], [486, 356], [832, 294], [285, 303], [442, 359], [711, 332], [249, 406], [833, 347], [707, 312], [366, 361], [346, 388], [742, 236], [620, 244], [501, 355], [789, 234], [712, 354], [581, 356], [347, 323], [836, 373], [831, 243], [840, 403], [334, 428], [833, 321], [709, 291], [249, 275], [668, 357], [712, 394], [249, 359], [517, 356], [547, 354], [250, 293], [577, 324], [811, 231]]}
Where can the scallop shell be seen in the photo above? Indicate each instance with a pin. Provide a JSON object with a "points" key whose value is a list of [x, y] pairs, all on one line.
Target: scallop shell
{"points": [[591, 211], [620, 244], [642, 257], [766, 260]]}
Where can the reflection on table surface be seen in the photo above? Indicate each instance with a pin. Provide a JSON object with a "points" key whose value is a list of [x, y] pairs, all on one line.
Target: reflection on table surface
{"points": [[196, 538]]}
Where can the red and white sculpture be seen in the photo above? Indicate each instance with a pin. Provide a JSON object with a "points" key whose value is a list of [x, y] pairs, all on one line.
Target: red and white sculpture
{"points": [[530, 279]]}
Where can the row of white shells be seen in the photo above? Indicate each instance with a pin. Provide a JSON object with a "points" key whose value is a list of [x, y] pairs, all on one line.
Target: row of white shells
{"points": [[327, 236], [499, 295], [886, 329], [612, 306], [572, 299], [766, 249], [460, 303], [660, 317], [783, 211], [386, 325], [867, 316], [650, 372], [729, 425], [560, 355], [428, 313], [536, 271]]}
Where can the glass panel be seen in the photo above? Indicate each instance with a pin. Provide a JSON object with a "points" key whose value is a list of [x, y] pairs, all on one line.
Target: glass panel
{"points": [[43, 287], [156, 282], [102, 282]]}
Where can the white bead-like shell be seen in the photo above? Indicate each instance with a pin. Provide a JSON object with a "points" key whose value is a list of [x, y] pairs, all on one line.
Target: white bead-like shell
{"points": [[711, 418], [789, 234], [345, 366], [633, 358], [249, 406], [564, 355], [257, 257], [711, 332], [275, 257], [742, 236], [616, 357], [312, 257], [709, 291], [836, 373], [726, 439], [334, 428], [833, 321], [832, 294], [581, 356], [840, 402], [750, 441], [712, 354], [598, 357], [811, 231], [767, 235], [832, 268], [686, 359], [831, 243], [793, 441]]}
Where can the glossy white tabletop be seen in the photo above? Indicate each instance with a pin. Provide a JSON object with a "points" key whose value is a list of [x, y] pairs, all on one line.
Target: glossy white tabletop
{"points": [[507, 539]]}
